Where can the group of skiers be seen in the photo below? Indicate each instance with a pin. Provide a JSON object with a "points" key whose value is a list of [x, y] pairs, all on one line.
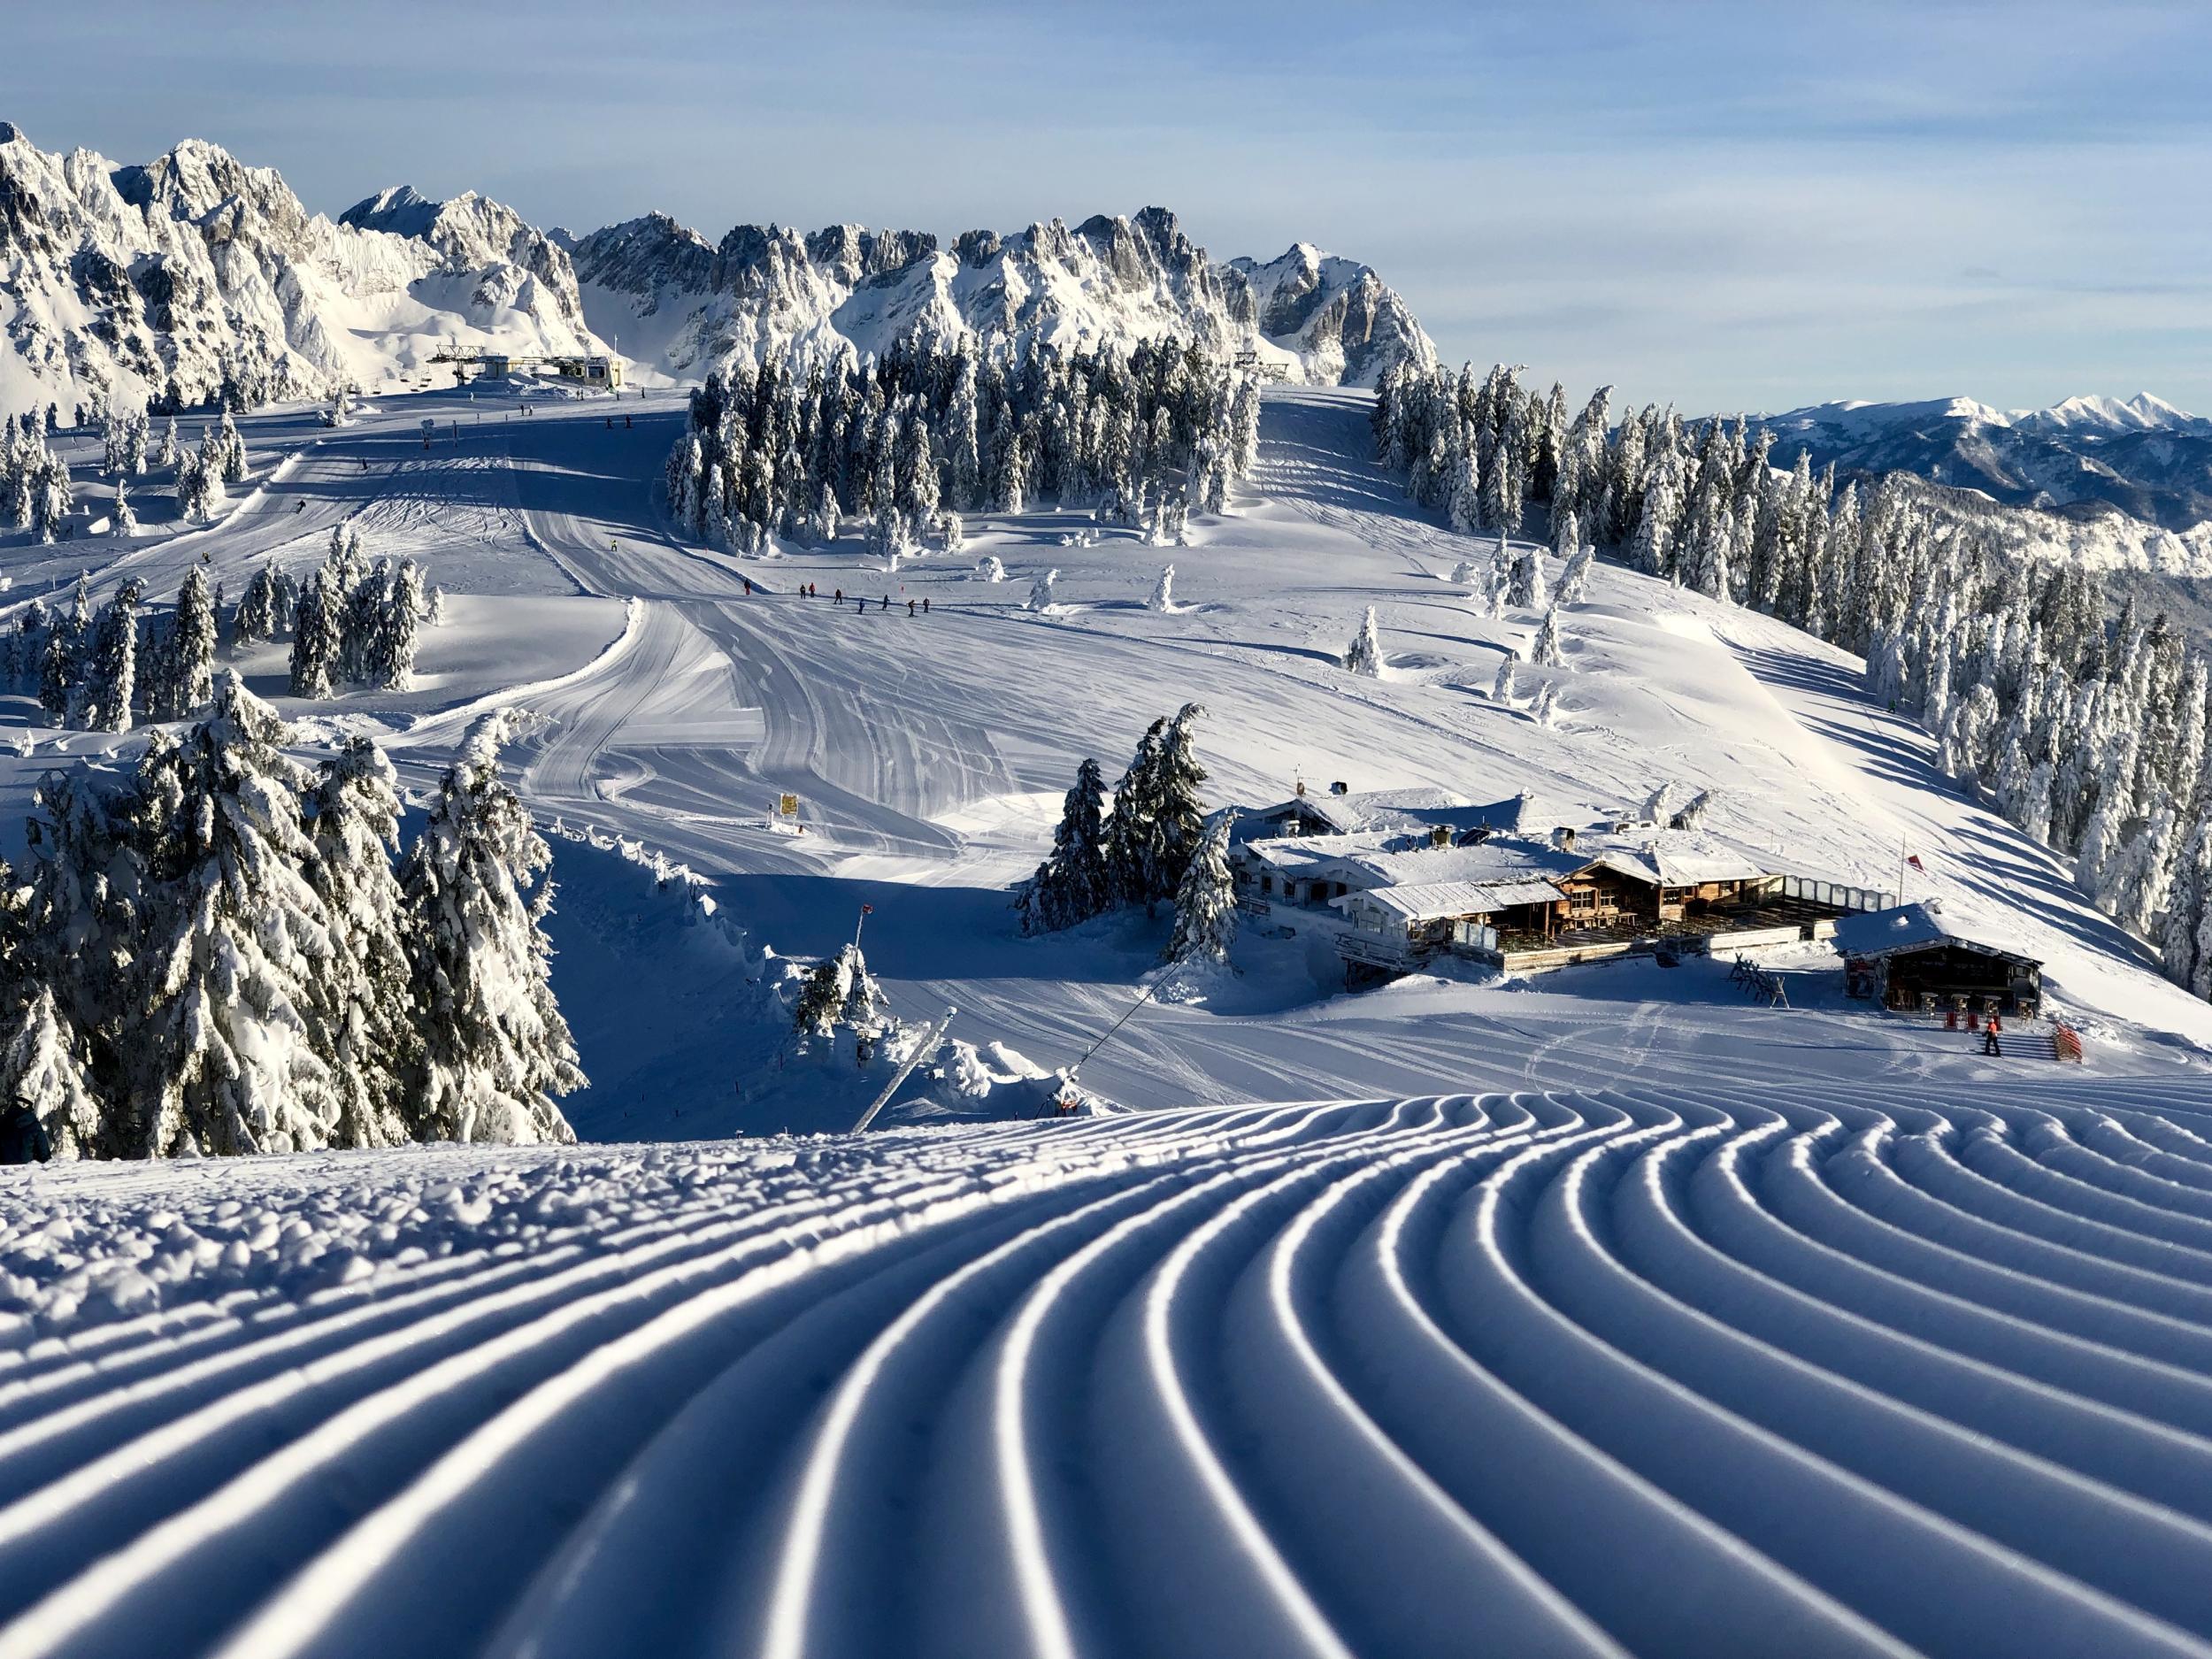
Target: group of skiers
{"points": [[808, 590]]}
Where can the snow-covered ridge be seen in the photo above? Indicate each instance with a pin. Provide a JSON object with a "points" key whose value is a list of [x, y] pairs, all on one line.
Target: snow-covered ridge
{"points": [[685, 305], [195, 264]]}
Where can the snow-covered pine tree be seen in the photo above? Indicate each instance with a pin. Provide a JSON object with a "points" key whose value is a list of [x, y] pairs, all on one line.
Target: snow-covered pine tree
{"points": [[359, 1006], [111, 669], [436, 614], [1501, 687], [1074, 883], [1178, 818], [1566, 536], [821, 998], [1130, 832], [1041, 591], [1694, 815], [1546, 710], [1527, 591], [1206, 903], [316, 635], [2184, 939], [187, 659], [953, 531], [1164, 590], [43, 1064], [398, 630], [1544, 652], [989, 568], [124, 522], [1364, 655], [256, 618], [231, 451], [236, 939], [1574, 581], [497, 1052]]}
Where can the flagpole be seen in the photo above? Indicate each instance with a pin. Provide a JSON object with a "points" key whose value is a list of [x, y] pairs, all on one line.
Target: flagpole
{"points": [[861, 921], [1900, 869]]}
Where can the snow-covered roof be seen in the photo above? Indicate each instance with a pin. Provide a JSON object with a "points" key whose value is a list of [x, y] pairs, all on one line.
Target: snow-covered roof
{"points": [[1675, 858], [1389, 858], [1908, 927], [1427, 901], [1402, 811]]}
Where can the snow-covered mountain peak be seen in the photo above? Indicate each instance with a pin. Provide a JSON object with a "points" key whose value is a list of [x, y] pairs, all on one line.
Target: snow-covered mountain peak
{"points": [[122, 279], [2142, 413], [1110, 278]]}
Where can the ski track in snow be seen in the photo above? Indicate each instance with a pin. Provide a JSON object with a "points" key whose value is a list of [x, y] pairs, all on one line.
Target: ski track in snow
{"points": [[1715, 1369]]}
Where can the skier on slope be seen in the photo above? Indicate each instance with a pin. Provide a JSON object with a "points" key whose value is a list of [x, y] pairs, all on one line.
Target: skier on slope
{"points": [[1989, 1038], [910, 607]]}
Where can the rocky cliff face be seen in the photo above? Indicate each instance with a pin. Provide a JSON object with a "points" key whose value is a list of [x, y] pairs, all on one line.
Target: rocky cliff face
{"points": [[688, 305], [123, 278]]}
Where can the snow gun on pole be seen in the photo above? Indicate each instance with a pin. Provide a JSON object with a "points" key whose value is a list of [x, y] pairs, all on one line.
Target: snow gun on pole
{"points": [[1064, 1106], [928, 1045]]}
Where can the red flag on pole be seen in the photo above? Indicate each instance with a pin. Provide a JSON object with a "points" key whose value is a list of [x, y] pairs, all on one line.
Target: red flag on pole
{"points": [[870, 909], [1915, 862]]}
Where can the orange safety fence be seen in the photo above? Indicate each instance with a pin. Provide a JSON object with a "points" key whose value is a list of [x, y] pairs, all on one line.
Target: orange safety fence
{"points": [[2066, 1043]]}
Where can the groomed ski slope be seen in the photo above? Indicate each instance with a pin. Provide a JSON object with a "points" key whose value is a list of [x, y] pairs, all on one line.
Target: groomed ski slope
{"points": [[1709, 1369]]}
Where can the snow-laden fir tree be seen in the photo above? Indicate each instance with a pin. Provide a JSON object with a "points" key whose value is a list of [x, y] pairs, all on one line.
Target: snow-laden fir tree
{"points": [[1364, 655], [1074, 883], [256, 618], [1694, 815], [1164, 590], [1128, 836], [954, 532], [866, 1011], [989, 568], [1544, 651], [1206, 903], [1566, 536], [230, 451], [1546, 709], [821, 998], [187, 680], [360, 1006], [111, 669], [398, 622], [1041, 591], [43, 1064], [125, 518], [1178, 816], [1574, 581], [2185, 940], [1527, 591], [497, 1053], [1467, 572], [435, 615], [316, 635], [235, 940], [1501, 687]]}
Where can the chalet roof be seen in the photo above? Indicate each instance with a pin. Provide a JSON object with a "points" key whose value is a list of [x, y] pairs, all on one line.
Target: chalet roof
{"points": [[1402, 811], [1910, 927], [1395, 859], [1674, 858], [1433, 900]]}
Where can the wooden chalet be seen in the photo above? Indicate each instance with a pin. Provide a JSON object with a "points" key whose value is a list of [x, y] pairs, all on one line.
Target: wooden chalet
{"points": [[1912, 959]]}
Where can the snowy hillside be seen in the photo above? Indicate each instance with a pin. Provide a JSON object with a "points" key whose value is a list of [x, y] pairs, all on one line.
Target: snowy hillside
{"points": [[2141, 455], [116, 281], [1618, 1311], [684, 305]]}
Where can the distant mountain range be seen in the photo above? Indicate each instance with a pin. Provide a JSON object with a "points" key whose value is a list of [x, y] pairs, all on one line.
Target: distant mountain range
{"points": [[195, 265], [2141, 455], [689, 303]]}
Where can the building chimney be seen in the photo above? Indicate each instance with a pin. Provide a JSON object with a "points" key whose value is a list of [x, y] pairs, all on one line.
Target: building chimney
{"points": [[1563, 838], [1440, 835]]}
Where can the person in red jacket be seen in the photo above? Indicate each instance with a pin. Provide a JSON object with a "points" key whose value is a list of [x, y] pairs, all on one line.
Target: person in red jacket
{"points": [[1989, 1037]]}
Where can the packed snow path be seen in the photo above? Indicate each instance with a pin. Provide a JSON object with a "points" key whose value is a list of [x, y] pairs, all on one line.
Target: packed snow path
{"points": [[1717, 1372]]}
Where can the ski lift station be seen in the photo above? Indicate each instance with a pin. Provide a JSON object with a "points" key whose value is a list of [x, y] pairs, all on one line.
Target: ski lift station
{"points": [[595, 370], [604, 373]]}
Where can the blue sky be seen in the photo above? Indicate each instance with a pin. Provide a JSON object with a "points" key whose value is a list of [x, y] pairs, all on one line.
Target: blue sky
{"points": [[1723, 205]]}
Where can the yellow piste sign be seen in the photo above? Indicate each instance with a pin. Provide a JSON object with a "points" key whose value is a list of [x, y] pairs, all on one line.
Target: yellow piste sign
{"points": [[788, 806]]}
